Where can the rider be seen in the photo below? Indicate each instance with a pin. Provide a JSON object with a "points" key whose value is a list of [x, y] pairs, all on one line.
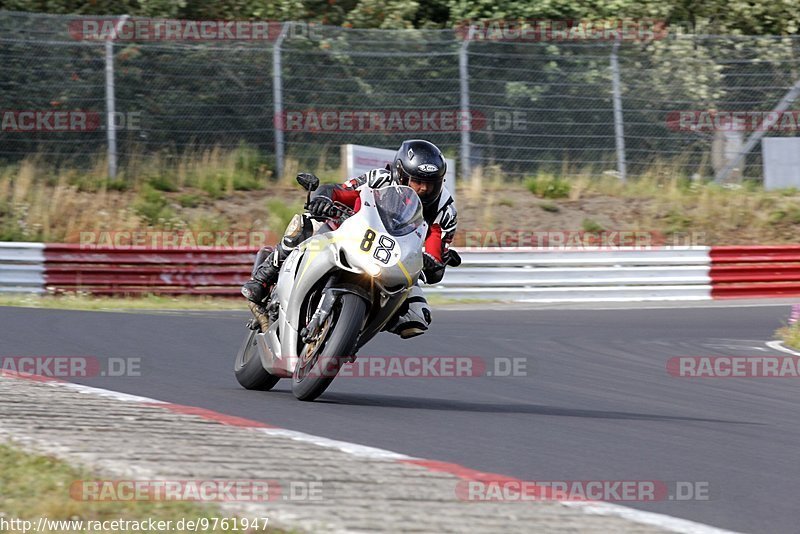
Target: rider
{"points": [[418, 164]]}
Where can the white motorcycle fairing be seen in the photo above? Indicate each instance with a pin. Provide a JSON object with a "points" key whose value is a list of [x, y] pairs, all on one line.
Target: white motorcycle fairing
{"points": [[362, 256]]}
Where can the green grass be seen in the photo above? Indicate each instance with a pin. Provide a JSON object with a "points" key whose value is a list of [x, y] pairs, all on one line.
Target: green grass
{"points": [[280, 213], [548, 186], [163, 183], [153, 206], [35, 486], [790, 335], [190, 200], [549, 207], [788, 214], [678, 221], [589, 225]]}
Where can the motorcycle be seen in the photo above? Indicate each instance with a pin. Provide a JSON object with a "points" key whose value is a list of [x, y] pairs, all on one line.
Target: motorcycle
{"points": [[335, 291]]}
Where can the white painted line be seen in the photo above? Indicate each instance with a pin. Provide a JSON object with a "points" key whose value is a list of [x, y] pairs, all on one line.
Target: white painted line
{"points": [[354, 449], [778, 345], [107, 393]]}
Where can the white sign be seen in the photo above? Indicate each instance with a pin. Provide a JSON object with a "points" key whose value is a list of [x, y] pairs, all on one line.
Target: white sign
{"points": [[359, 159], [781, 157]]}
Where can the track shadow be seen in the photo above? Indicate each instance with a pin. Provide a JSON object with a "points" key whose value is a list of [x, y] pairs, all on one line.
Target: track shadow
{"points": [[391, 401]]}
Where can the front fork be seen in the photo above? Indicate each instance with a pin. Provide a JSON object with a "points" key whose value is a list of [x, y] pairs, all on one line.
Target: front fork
{"points": [[313, 329], [330, 294]]}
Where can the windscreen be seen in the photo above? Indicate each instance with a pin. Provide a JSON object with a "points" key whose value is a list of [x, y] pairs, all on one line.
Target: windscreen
{"points": [[400, 209]]}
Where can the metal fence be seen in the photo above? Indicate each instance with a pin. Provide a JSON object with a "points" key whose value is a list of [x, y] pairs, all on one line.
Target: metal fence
{"points": [[535, 107]]}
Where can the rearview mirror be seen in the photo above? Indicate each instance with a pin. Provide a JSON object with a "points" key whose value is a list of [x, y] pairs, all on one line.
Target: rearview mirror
{"points": [[308, 181]]}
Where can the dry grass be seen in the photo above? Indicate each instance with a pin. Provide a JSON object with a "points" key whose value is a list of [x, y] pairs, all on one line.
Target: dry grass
{"points": [[83, 301], [39, 205], [221, 190], [723, 214]]}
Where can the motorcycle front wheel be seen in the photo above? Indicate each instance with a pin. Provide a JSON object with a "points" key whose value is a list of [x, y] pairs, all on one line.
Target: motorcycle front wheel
{"points": [[320, 361]]}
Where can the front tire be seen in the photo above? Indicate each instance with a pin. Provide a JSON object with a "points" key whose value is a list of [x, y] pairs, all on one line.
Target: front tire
{"points": [[347, 318], [248, 369]]}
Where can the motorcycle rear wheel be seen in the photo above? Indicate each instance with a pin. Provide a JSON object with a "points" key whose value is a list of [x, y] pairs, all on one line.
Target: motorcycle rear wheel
{"points": [[248, 369]]}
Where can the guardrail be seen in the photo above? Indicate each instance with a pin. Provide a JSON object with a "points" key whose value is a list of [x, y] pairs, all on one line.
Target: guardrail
{"points": [[110, 271], [22, 267], [528, 275], [601, 274], [755, 272]]}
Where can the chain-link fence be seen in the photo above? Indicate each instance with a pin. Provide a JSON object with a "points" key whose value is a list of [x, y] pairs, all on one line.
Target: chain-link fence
{"points": [[300, 92]]}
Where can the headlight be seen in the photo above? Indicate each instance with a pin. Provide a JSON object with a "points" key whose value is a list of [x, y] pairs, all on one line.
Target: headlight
{"points": [[372, 269]]}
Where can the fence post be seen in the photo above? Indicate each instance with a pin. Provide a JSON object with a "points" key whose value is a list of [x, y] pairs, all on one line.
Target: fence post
{"points": [[466, 125], [278, 120], [619, 130], [111, 126]]}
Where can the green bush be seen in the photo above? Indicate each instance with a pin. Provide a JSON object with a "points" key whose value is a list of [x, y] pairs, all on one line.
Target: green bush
{"points": [[189, 200], [153, 206], [87, 183], [214, 185], [788, 214], [244, 182], [548, 187], [162, 182], [117, 184], [589, 225], [251, 167], [550, 207], [678, 221]]}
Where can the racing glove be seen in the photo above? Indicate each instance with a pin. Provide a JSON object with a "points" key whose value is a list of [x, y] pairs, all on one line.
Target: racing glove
{"points": [[432, 269], [320, 206]]}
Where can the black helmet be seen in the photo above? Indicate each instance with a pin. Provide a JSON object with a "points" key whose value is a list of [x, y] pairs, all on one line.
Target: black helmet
{"points": [[423, 161]]}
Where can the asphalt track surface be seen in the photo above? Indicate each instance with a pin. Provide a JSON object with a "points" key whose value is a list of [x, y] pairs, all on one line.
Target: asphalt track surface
{"points": [[597, 402]]}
